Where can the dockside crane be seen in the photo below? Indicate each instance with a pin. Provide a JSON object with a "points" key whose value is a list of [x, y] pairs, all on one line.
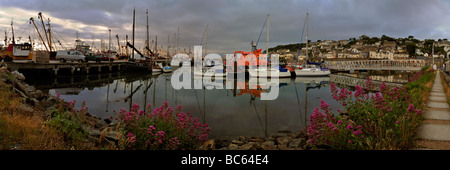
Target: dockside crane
{"points": [[39, 33], [45, 30]]}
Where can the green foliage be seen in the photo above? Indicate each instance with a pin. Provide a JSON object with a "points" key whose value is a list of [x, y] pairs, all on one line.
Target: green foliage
{"points": [[290, 47], [411, 48], [69, 121], [380, 120]]}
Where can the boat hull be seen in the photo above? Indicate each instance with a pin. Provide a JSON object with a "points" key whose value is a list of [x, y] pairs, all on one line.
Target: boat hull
{"points": [[156, 70], [269, 73], [209, 74], [312, 73]]}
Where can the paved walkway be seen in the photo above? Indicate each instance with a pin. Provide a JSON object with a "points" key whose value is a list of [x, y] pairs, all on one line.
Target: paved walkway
{"points": [[434, 132]]}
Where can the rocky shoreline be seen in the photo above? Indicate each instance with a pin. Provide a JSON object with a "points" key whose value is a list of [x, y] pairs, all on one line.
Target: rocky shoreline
{"points": [[283, 140]]}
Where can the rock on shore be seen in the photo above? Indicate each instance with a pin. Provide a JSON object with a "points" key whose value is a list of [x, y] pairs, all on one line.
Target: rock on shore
{"points": [[284, 140]]}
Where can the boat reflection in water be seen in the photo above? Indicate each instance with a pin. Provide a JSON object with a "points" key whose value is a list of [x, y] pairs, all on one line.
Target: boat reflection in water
{"points": [[230, 112]]}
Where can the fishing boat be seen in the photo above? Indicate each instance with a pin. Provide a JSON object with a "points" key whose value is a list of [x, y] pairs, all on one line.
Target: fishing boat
{"points": [[310, 69], [14, 50], [167, 69], [157, 68], [164, 69]]}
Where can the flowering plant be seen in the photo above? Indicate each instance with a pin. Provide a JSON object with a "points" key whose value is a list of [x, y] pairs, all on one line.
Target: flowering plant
{"points": [[379, 120], [162, 129]]}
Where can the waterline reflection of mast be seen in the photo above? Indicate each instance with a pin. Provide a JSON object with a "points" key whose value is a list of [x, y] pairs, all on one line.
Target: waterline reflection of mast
{"points": [[146, 92], [107, 94], [267, 53], [306, 101], [154, 92], [204, 87], [145, 95]]}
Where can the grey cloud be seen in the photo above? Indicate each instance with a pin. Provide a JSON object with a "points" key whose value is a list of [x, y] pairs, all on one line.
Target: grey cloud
{"points": [[234, 23]]}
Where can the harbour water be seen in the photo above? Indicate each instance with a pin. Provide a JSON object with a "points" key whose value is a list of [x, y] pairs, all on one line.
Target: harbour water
{"points": [[229, 112]]}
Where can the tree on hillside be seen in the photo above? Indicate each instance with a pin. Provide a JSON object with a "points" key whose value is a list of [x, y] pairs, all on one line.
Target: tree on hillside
{"points": [[411, 49], [387, 38]]}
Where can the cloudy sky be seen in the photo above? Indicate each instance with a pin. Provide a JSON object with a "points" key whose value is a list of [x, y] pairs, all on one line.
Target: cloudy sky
{"points": [[232, 24]]}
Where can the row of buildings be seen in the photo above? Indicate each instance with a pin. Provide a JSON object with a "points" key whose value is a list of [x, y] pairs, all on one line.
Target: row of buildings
{"points": [[330, 49]]}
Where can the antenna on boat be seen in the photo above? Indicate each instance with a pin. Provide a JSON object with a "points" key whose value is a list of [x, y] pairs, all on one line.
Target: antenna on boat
{"points": [[12, 30]]}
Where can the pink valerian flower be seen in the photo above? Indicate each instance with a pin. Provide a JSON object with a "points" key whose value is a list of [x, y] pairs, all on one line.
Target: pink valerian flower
{"points": [[316, 120], [411, 108], [357, 132], [150, 129], [324, 105], [344, 94], [334, 91], [331, 126], [358, 91], [383, 87], [203, 137], [418, 112], [349, 127], [369, 84], [58, 95], [131, 137], [359, 127], [135, 107], [141, 112], [173, 143], [186, 130], [178, 108], [149, 106], [160, 137]]}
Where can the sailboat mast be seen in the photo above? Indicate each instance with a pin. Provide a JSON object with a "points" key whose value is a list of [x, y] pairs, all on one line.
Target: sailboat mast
{"points": [[307, 20], [147, 33], [132, 52], [206, 46], [267, 40], [178, 35], [307, 37], [168, 46]]}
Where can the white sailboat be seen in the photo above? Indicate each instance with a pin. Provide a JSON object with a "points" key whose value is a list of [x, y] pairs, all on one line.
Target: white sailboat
{"points": [[275, 72], [310, 69], [269, 72]]}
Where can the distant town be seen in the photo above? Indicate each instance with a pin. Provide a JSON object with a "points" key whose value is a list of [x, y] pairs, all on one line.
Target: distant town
{"points": [[365, 47]]}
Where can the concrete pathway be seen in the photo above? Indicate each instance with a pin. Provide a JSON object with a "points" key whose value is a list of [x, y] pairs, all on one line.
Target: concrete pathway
{"points": [[434, 133]]}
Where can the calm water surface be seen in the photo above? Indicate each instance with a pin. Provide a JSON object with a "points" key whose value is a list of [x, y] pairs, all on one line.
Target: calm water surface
{"points": [[229, 113]]}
